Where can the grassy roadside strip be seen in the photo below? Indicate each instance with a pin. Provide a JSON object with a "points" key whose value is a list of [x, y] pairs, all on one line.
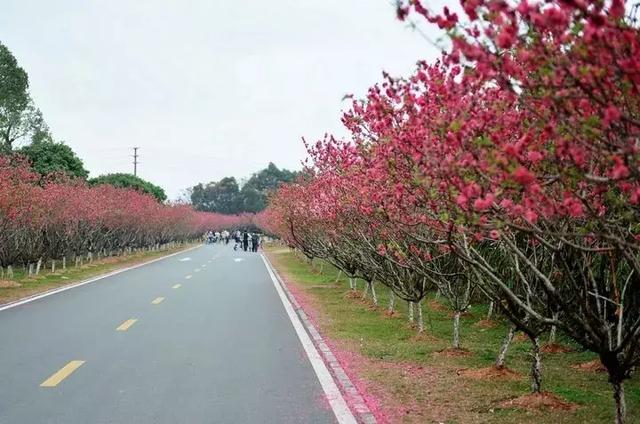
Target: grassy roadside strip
{"points": [[414, 381], [21, 287]]}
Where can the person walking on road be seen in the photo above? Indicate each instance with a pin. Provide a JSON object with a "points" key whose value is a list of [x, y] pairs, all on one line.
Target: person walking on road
{"points": [[255, 242], [245, 241]]}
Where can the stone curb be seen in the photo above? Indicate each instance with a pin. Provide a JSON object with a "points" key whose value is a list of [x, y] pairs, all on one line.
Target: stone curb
{"points": [[355, 400]]}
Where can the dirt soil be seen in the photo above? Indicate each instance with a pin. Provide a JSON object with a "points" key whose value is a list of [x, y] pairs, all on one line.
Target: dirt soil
{"points": [[7, 284], [489, 373], [537, 401], [485, 323], [555, 348], [592, 366], [453, 352]]}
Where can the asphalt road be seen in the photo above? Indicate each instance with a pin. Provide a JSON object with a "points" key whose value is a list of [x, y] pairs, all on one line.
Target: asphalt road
{"points": [[211, 344]]}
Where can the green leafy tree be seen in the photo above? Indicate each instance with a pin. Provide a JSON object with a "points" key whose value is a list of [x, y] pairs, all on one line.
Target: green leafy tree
{"points": [[251, 199], [130, 181], [225, 195], [18, 116], [47, 156], [222, 196], [270, 178]]}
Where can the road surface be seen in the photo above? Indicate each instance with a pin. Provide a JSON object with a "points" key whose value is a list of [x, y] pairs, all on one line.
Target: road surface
{"points": [[199, 337]]}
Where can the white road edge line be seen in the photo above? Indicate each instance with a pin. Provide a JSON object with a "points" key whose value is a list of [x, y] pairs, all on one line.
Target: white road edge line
{"points": [[336, 400], [91, 280]]}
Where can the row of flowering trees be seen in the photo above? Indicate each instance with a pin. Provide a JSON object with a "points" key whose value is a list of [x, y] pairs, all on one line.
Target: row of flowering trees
{"points": [[510, 166], [61, 218]]}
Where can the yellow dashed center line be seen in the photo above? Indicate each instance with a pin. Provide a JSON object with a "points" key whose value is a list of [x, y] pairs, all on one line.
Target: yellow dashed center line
{"points": [[187, 277], [176, 286], [63, 373], [157, 300], [125, 325]]}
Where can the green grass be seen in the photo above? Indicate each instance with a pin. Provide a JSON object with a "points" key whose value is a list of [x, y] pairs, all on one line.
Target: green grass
{"points": [[389, 345], [47, 281]]}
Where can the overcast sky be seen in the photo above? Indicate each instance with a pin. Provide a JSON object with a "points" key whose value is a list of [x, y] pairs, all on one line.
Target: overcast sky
{"points": [[205, 88]]}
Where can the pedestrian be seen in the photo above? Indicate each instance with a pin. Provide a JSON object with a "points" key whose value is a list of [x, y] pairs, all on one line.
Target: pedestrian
{"points": [[245, 241], [255, 242]]}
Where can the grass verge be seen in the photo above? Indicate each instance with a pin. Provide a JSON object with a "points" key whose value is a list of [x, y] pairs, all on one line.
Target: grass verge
{"points": [[20, 287], [415, 381]]}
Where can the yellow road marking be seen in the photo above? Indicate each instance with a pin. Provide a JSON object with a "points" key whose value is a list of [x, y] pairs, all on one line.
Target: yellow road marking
{"points": [[177, 286], [157, 300], [125, 325], [63, 373], [187, 277]]}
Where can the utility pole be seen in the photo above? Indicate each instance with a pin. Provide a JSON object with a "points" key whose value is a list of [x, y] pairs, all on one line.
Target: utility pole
{"points": [[135, 161]]}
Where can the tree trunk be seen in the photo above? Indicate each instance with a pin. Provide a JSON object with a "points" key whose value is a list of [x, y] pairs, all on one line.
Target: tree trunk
{"points": [[339, 274], [554, 329], [506, 342], [392, 301], [53, 266], [456, 330], [9, 271], [64, 262], [366, 289], [373, 294], [490, 312], [536, 365], [321, 267], [621, 406], [38, 266], [552, 334], [420, 320], [411, 312]]}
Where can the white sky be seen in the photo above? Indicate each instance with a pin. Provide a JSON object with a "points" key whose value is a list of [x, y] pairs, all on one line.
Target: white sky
{"points": [[206, 88]]}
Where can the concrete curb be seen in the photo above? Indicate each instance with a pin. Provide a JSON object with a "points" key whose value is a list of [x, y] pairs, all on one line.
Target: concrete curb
{"points": [[362, 412], [70, 286]]}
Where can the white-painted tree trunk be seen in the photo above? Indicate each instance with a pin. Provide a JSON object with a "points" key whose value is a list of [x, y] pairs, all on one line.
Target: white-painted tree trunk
{"points": [[420, 320], [64, 262], [504, 348], [392, 301], [9, 271], [38, 266], [53, 266], [339, 274], [411, 320], [490, 312], [373, 294], [554, 329], [365, 292], [621, 405], [536, 366], [456, 330]]}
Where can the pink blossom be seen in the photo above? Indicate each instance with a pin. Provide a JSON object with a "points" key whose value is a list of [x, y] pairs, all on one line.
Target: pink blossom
{"points": [[523, 176]]}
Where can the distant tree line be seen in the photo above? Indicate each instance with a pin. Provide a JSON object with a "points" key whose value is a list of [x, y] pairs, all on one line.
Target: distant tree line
{"points": [[228, 197]]}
